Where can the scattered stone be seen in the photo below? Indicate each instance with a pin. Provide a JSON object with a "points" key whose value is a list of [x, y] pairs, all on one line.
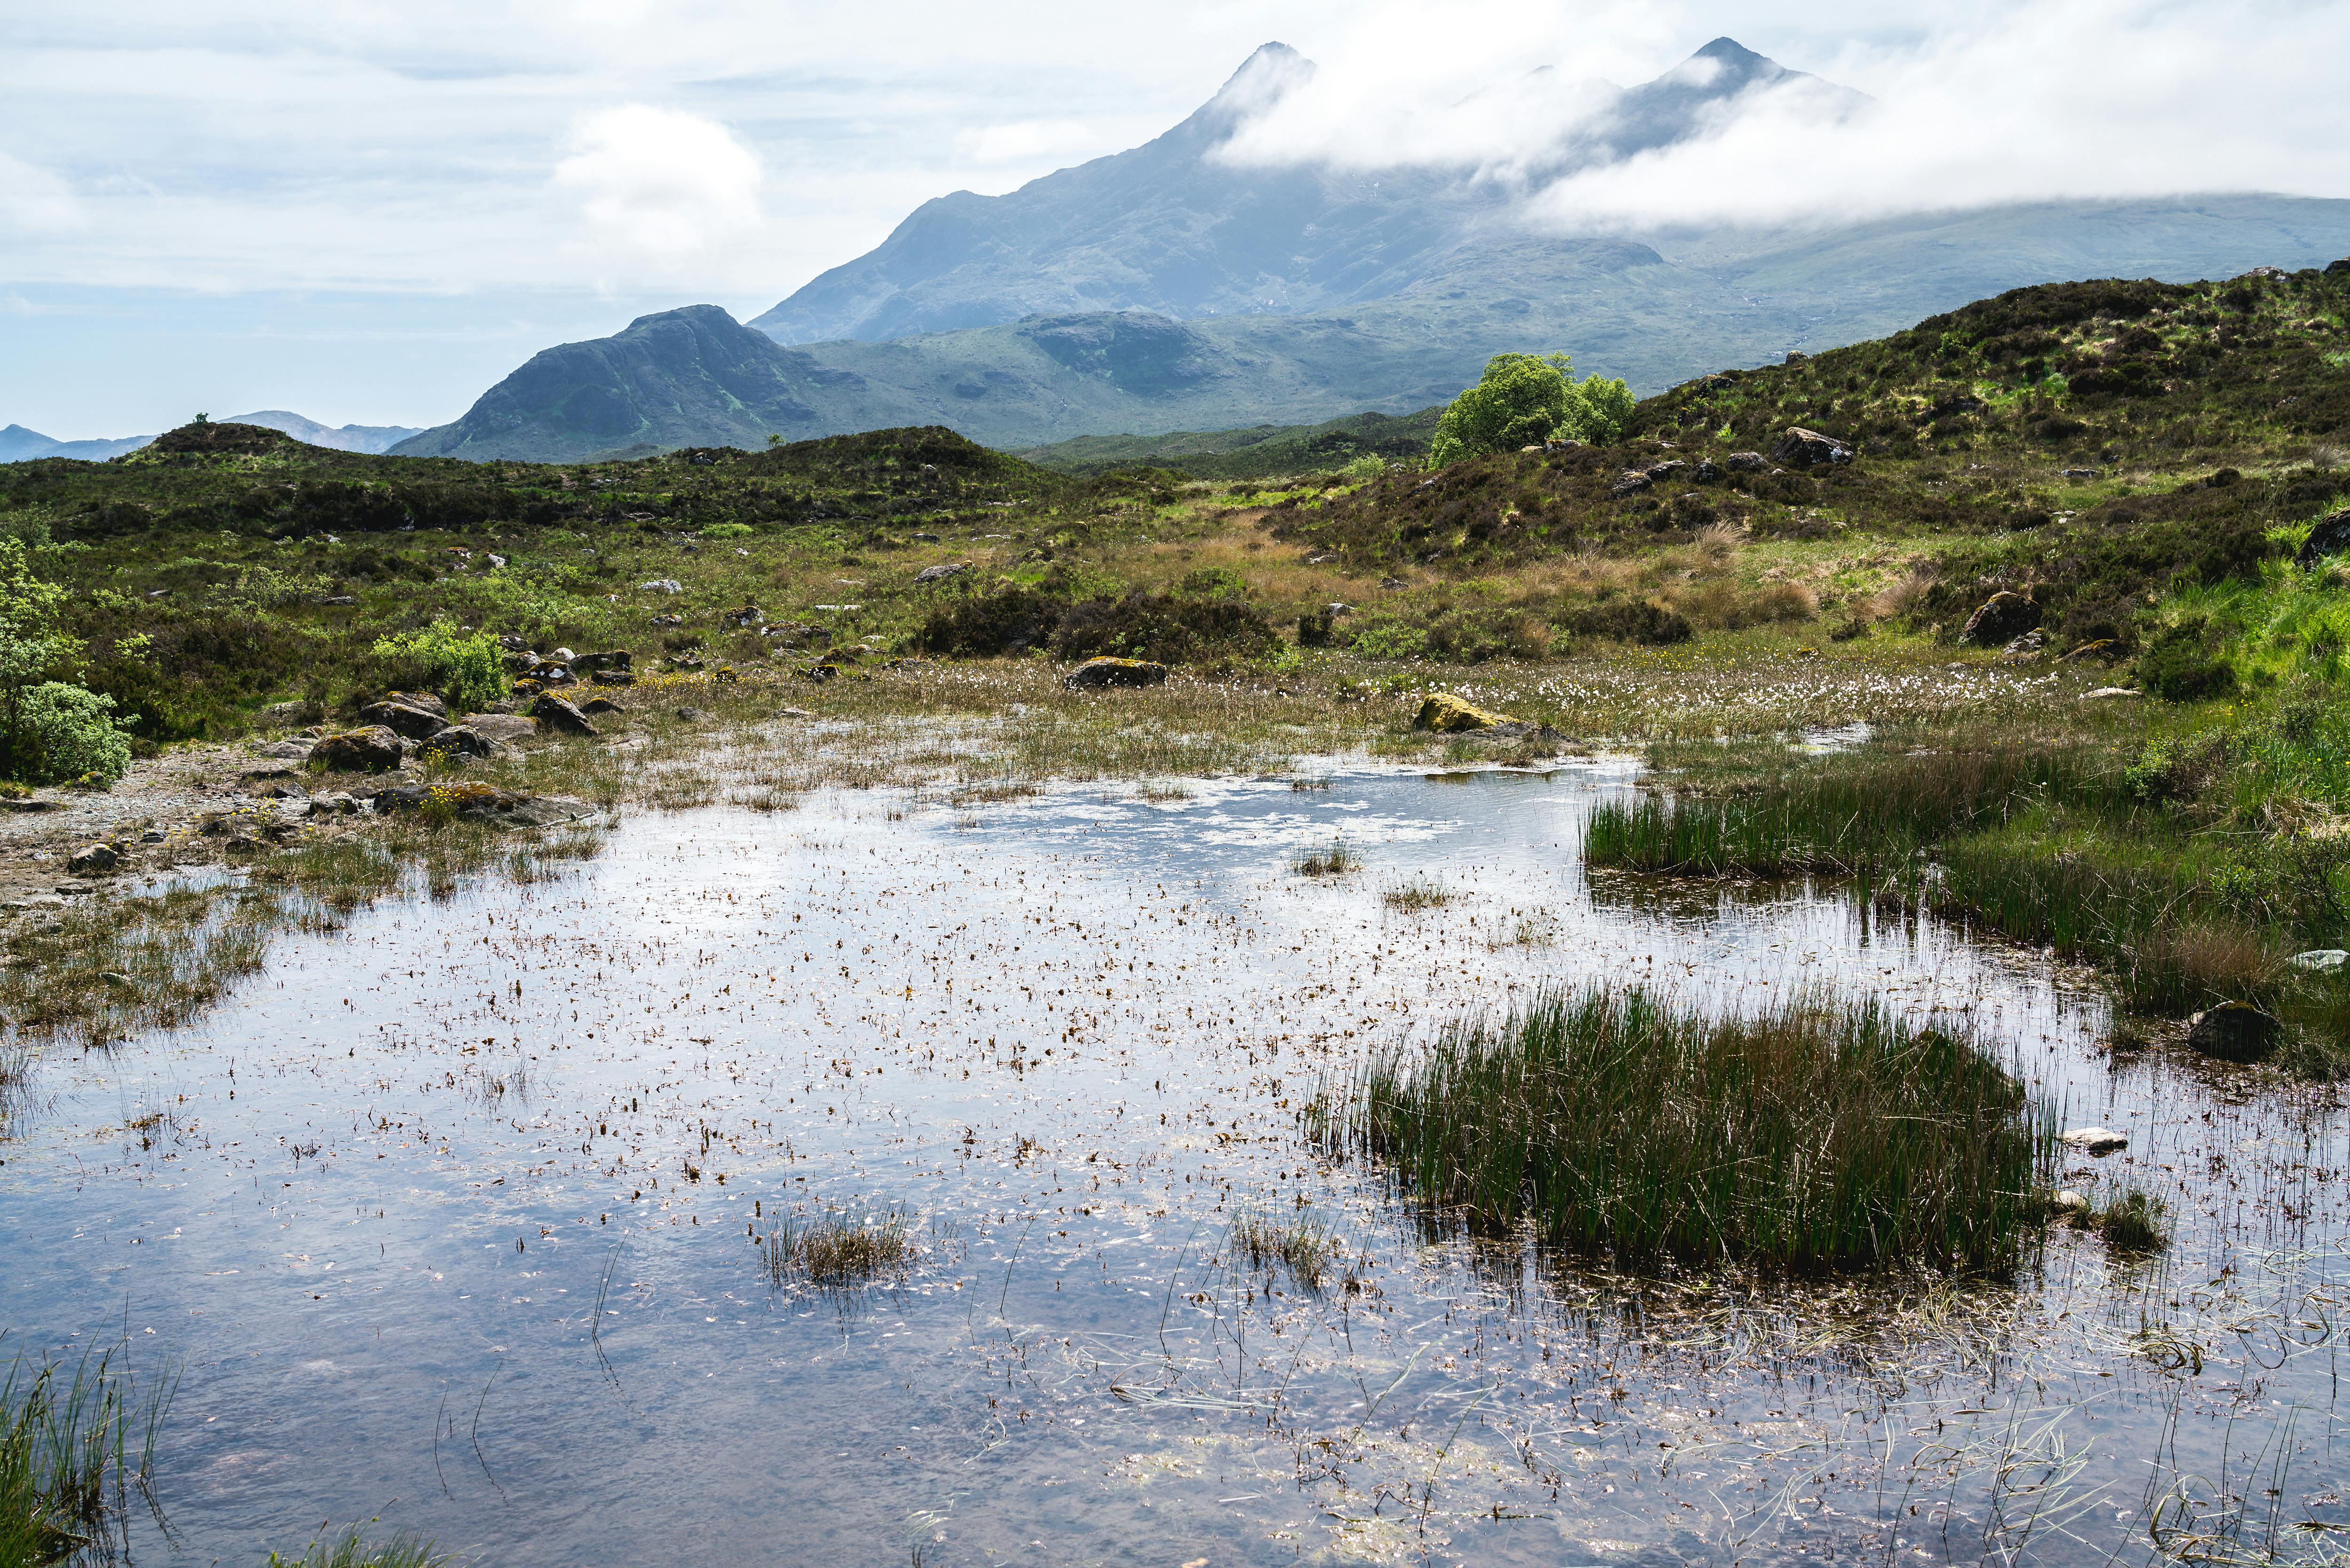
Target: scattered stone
{"points": [[339, 804], [787, 714], [92, 858], [1391, 582], [613, 677], [926, 538], [406, 719], [617, 658], [2099, 1141], [2067, 1197], [1800, 447], [821, 672], [2105, 691], [424, 700], [378, 746], [662, 586], [2002, 617], [2320, 960], [1631, 481], [557, 713], [1745, 463], [294, 715], [601, 705], [329, 600], [1447, 714], [506, 727], [691, 715], [1094, 674], [2233, 1032], [153, 835], [2080, 473], [1710, 473], [284, 750], [2329, 535], [115, 977], [940, 573]]}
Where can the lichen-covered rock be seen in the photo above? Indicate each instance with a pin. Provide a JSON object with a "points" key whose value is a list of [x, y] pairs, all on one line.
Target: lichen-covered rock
{"points": [[363, 751], [2000, 619], [1800, 447], [2233, 1032], [1447, 714], [93, 857], [558, 714], [1097, 673], [462, 741]]}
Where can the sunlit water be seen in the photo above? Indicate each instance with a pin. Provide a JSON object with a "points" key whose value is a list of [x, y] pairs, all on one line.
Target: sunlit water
{"points": [[419, 1224]]}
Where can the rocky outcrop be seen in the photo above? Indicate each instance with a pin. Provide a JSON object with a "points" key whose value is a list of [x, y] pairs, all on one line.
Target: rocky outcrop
{"points": [[360, 751], [2329, 537], [2000, 619], [1097, 673]]}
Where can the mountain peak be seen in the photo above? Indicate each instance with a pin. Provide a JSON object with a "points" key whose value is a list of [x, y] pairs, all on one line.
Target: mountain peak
{"points": [[1273, 71]]}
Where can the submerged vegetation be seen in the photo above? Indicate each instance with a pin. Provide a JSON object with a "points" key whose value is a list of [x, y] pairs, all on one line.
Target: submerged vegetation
{"points": [[353, 1548], [1622, 1123]]}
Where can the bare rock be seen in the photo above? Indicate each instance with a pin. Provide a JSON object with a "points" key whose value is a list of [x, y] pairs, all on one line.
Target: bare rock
{"points": [[92, 858], [405, 718], [2001, 618], [2233, 1032], [2329, 537], [2100, 1141], [1745, 463], [1800, 447], [940, 573], [506, 727]]}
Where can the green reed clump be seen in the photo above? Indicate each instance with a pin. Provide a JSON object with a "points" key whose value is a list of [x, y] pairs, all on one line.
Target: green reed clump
{"points": [[73, 1440], [2130, 1221], [1419, 893], [1623, 1123], [1335, 861], [352, 1549], [836, 1250], [1301, 1244]]}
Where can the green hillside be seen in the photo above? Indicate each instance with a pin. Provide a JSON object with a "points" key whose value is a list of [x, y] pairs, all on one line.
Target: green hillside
{"points": [[1260, 451]]}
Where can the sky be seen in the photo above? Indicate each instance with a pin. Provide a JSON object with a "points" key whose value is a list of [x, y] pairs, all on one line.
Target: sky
{"points": [[368, 212]]}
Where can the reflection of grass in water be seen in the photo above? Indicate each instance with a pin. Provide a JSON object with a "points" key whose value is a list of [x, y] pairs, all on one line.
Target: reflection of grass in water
{"points": [[113, 967], [836, 1250], [1335, 861], [16, 1081], [1815, 1136], [1415, 895], [72, 1441], [1304, 1245], [352, 1549]]}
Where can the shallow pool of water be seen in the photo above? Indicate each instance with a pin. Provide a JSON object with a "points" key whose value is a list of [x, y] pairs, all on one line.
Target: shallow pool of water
{"points": [[1067, 1038]]}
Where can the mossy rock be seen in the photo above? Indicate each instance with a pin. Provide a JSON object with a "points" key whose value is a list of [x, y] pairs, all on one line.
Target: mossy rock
{"points": [[1447, 714]]}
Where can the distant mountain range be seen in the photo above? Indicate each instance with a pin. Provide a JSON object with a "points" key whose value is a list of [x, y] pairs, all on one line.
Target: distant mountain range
{"points": [[1165, 288], [18, 444]]}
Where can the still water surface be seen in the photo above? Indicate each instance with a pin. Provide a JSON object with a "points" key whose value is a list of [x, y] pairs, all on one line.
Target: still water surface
{"points": [[451, 1220]]}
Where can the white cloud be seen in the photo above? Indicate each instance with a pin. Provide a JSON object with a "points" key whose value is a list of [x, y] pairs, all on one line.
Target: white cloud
{"points": [[1028, 140], [660, 183], [35, 201]]}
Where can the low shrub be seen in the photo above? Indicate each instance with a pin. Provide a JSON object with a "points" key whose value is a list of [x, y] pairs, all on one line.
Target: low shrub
{"points": [[54, 733], [467, 669]]}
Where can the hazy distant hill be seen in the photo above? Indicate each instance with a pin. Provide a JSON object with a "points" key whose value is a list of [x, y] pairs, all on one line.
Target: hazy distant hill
{"points": [[18, 444]]}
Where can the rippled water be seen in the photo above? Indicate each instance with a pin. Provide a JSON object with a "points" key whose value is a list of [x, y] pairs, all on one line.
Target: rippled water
{"points": [[417, 1217]]}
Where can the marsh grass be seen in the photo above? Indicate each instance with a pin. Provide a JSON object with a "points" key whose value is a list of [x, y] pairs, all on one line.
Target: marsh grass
{"points": [[837, 1249], [1335, 861], [2130, 1220], [73, 1440], [353, 1548], [1301, 1244], [1817, 1136], [1416, 896]]}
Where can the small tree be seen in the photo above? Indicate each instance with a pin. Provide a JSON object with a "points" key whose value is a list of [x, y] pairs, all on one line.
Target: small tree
{"points": [[468, 670], [1525, 400]]}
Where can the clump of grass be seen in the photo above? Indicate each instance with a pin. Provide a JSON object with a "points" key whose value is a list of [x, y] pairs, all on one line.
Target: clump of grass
{"points": [[1304, 1245], [1418, 894], [836, 1250], [1335, 861], [72, 1442], [2130, 1221], [1816, 1135], [352, 1549]]}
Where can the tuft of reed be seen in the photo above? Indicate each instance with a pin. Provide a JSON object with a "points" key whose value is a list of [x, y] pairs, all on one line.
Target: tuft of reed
{"points": [[2130, 1221], [1817, 1136], [836, 1248], [72, 1441], [1303, 1244], [352, 1549], [1335, 861], [1419, 893]]}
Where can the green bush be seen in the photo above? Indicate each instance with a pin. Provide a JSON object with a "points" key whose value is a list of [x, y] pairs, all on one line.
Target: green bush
{"points": [[55, 732], [468, 670], [1525, 400], [726, 530], [2178, 666]]}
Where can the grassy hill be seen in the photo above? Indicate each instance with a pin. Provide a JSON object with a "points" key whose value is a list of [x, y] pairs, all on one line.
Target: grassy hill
{"points": [[1258, 451]]}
